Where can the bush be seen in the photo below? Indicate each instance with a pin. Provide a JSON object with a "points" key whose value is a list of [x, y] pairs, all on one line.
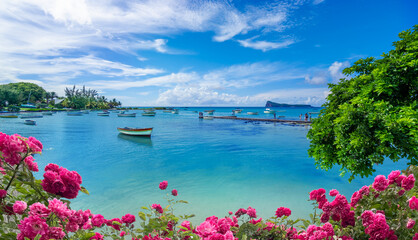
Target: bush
{"points": [[37, 209]]}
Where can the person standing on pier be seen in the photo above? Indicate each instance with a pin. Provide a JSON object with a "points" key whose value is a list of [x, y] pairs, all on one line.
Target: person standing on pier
{"points": [[306, 117]]}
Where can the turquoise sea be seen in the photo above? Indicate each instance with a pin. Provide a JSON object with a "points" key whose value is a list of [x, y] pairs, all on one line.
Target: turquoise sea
{"points": [[216, 165]]}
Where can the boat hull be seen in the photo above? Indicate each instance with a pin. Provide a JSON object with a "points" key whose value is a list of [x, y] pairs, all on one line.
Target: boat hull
{"points": [[103, 114], [208, 117], [30, 122], [252, 113], [31, 116], [136, 131], [9, 116], [148, 114], [75, 114], [127, 115]]}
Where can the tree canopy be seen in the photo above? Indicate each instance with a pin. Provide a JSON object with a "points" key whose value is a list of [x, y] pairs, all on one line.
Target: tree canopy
{"points": [[23, 89], [372, 114]]}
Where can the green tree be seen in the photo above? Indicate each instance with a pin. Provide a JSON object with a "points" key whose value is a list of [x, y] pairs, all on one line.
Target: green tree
{"points": [[372, 115], [37, 93], [8, 96]]}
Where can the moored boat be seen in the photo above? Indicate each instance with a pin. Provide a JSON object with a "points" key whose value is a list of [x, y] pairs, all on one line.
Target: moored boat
{"points": [[268, 110], [29, 122], [23, 116], [47, 113], [77, 113], [208, 117], [237, 110], [126, 114], [252, 113], [86, 112], [166, 111], [209, 111], [136, 131], [8, 116], [175, 111], [103, 114], [149, 113]]}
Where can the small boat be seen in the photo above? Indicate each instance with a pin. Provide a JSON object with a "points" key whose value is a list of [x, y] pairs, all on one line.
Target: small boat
{"points": [[268, 110], [75, 113], [150, 114], [30, 116], [86, 112], [209, 111], [47, 113], [29, 122], [136, 131], [166, 111], [126, 114], [175, 111], [208, 117], [252, 113], [103, 114], [237, 110], [8, 116]]}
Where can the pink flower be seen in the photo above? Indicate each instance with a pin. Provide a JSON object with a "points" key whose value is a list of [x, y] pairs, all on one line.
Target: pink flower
{"points": [[97, 220], [333, 193], [34, 145], [19, 207], [123, 233], [157, 207], [380, 183], [174, 192], [410, 224], [185, 224], [3, 193], [251, 212], [31, 164], [367, 217], [98, 236], [253, 221], [230, 212], [55, 233], [415, 237], [32, 226], [205, 229], [240, 212], [413, 203], [39, 209], [59, 208], [58, 180], [282, 211], [409, 182], [114, 225], [163, 185], [393, 176], [128, 218]]}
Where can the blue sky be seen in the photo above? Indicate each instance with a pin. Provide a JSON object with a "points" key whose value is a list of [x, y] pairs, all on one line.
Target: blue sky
{"points": [[195, 53]]}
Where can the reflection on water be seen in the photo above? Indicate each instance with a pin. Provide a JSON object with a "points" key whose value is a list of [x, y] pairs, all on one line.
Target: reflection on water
{"points": [[141, 140]]}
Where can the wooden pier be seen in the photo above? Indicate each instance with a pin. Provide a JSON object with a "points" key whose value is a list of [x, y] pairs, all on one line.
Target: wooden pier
{"points": [[265, 120]]}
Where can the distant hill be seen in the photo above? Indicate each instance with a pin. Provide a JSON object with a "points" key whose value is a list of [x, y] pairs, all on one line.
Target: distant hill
{"points": [[273, 104]]}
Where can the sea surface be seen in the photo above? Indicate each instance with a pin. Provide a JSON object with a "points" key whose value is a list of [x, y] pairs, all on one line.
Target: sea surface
{"points": [[216, 165]]}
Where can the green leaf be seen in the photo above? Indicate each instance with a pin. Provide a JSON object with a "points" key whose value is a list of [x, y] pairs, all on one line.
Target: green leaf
{"points": [[88, 235], [142, 216], [84, 190]]}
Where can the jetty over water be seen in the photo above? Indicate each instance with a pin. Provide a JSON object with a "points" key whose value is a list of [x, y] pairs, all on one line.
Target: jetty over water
{"points": [[299, 122]]}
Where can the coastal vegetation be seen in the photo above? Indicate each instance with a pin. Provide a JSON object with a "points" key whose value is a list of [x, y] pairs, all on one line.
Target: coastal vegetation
{"points": [[87, 99], [371, 115], [14, 95]]}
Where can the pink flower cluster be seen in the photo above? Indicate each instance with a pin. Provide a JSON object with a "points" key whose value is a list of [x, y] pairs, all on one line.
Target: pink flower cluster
{"points": [[157, 207], [413, 203], [214, 228], [58, 180], [163, 185], [376, 226], [13, 147], [36, 222], [283, 211], [358, 195]]}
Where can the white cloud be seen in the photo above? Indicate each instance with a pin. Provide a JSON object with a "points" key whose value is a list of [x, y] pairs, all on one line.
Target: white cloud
{"points": [[312, 96], [316, 80], [265, 45], [336, 68]]}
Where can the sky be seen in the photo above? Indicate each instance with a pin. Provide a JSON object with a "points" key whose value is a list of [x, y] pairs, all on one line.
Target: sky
{"points": [[195, 52]]}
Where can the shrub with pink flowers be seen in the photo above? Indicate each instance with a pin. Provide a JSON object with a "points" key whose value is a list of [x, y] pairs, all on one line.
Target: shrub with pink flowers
{"points": [[39, 209]]}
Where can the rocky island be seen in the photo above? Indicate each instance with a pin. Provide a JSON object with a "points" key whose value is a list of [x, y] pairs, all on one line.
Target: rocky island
{"points": [[270, 104]]}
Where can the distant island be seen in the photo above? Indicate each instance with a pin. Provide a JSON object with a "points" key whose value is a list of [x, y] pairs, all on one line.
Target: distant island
{"points": [[273, 104]]}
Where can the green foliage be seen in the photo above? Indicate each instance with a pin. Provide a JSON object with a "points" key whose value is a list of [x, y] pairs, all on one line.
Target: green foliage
{"points": [[373, 115], [87, 98], [19, 92]]}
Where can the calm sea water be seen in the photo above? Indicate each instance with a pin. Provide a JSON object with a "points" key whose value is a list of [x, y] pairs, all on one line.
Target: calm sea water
{"points": [[216, 165]]}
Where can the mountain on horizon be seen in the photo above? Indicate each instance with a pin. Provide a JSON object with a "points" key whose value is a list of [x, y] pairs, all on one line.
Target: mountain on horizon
{"points": [[273, 104]]}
